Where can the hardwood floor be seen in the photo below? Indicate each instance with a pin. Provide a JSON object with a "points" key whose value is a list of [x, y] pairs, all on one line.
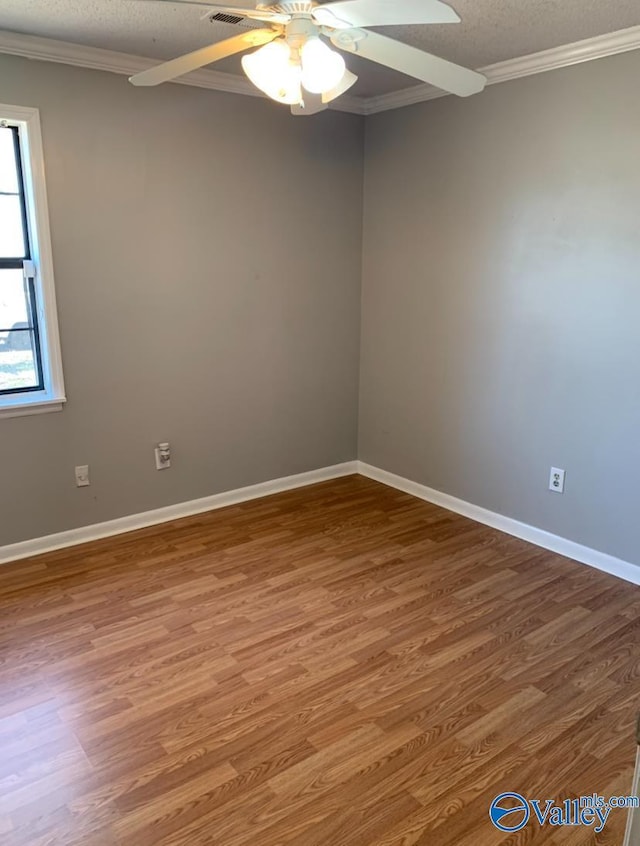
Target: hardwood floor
{"points": [[341, 664]]}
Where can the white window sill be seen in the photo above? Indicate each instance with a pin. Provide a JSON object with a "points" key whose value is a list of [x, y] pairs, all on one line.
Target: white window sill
{"points": [[15, 407]]}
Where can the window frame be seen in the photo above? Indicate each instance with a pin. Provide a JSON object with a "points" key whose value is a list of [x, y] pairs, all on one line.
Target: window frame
{"points": [[52, 396]]}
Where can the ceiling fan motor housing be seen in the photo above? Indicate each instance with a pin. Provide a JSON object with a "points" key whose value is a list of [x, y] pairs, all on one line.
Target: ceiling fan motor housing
{"points": [[293, 7], [299, 31]]}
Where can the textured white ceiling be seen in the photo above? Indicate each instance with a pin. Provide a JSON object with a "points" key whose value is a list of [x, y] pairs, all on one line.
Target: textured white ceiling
{"points": [[491, 30]]}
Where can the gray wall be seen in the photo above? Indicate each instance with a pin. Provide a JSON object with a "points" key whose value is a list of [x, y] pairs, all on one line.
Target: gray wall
{"points": [[501, 299], [207, 251]]}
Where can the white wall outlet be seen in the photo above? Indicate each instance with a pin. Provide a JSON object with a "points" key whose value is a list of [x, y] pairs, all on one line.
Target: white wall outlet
{"points": [[556, 480], [163, 456], [82, 476]]}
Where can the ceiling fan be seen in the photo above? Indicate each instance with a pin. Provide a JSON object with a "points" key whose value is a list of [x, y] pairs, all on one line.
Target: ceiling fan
{"points": [[293, 65]]}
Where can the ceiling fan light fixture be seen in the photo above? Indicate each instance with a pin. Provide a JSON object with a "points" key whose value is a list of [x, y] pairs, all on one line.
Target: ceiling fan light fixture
{"points": [[322, 67], [272, 70], [299, 62]]}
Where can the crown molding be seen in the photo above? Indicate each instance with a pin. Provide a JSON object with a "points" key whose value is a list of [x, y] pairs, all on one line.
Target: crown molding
{"points": [[95, 58], [599, 47], [49, 50]]}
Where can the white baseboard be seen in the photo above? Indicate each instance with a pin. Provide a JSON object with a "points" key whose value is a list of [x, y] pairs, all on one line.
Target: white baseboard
{"points": [[584, 554], [73, 537]]}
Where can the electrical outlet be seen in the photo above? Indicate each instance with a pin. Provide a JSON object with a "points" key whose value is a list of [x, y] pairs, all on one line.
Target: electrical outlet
{"points": [[556, 480], [82, 476]]}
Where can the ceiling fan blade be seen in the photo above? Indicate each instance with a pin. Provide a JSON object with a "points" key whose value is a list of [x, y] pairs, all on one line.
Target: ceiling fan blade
{"points": [[348, 13], [312, 105], [264, 15], [345, 84], [204, 56], [401, 57]]}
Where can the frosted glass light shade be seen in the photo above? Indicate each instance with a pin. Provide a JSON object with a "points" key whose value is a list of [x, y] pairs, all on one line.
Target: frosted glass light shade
{"points": [[271, 70], [322, 68]]}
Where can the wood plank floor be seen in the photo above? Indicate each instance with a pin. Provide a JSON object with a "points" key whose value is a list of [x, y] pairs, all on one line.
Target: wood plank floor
{"points": [[341, 664]]}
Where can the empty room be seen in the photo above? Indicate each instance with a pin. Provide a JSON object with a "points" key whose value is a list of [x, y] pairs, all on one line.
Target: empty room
{"points": [[319, 423]]}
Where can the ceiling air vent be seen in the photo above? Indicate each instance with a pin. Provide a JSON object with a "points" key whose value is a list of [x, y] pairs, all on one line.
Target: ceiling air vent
{"points": [[226, 19], [234, 20]]}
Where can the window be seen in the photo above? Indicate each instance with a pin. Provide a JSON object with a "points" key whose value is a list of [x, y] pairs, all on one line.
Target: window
{"points": [[30, 363]]}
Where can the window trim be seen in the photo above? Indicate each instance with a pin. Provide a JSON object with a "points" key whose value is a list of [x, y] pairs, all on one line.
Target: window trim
{"points": [[52, 397]]}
